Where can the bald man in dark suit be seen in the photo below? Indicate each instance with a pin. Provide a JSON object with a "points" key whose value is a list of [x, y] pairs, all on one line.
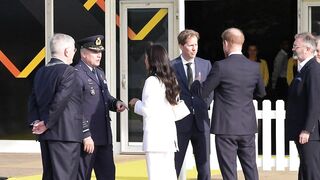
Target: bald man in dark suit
{"points": [[235, 81]]}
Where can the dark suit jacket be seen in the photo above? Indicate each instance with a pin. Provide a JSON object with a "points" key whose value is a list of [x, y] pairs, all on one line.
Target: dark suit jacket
{"points": [[303, 105], [56, 99], [235, 80], [97, 102], [197, 106]]}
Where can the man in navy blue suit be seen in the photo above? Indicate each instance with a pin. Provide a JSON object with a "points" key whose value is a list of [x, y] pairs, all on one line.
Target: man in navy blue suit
{"points": [[196, 126], [55, 111], [96, 105], [235, 81], [303, 107]]}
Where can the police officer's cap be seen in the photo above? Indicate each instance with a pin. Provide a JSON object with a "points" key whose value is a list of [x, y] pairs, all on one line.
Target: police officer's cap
{"points": [[92, 42]]}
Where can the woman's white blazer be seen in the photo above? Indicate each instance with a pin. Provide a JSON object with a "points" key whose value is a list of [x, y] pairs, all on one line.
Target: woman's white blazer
{"points": [[159, 128]]}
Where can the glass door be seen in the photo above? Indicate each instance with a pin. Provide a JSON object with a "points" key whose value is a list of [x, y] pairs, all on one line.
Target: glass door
{"points": [[141, 23]]}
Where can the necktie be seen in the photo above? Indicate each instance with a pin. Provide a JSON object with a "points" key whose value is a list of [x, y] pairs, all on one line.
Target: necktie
{"points": [[95, 74], [189, 74]]}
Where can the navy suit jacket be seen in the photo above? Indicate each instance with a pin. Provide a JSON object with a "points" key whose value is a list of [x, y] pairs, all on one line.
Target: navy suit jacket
{"points": [[303, 105], [97, 102], [235, 80], [197, 106], [56, 99]]}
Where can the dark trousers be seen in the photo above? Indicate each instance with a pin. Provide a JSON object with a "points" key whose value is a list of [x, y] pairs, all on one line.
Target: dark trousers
{"points": [[201, 149], [101, 160], [228, 147], [60, 160], [309, 155]]}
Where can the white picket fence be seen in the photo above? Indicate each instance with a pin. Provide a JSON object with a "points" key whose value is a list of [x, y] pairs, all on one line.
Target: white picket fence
{"points": [[267, 161]]}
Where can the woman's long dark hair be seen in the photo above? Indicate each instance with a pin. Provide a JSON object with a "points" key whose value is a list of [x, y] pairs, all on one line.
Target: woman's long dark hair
{"points": [[159, 66]]}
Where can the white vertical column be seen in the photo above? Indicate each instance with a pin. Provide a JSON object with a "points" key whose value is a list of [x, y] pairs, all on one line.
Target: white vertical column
{"points": [[294, 161], [266, 136], [281, 162], [180, 18], [49, 26], [111, 60], [258, 116], [179, 23], [181, 15]]}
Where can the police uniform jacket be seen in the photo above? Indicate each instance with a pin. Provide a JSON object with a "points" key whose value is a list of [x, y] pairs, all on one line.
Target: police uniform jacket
{"points": [[97, 102]]}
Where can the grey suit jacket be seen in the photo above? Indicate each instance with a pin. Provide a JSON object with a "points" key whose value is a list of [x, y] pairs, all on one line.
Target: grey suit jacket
{"points": [[235, 80]]}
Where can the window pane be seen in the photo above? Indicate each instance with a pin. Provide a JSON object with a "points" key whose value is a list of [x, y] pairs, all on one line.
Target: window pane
{"points": [[140, 36], [22, 38]]}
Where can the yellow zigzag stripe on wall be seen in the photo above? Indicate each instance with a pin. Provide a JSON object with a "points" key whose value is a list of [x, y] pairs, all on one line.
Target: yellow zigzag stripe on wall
{"points": [[88, 5], [151, 24], [145, 30], [33, 64]]}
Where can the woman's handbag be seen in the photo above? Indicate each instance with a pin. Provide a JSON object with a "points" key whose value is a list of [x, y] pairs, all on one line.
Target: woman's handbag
{"points": [[180, 110]]}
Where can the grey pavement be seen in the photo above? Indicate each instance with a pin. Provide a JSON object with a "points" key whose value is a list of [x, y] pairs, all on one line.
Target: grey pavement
{"points": [[26, 164]]}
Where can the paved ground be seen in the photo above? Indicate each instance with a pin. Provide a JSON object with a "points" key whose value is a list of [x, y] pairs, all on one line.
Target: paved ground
{"points": [[22, 164]]}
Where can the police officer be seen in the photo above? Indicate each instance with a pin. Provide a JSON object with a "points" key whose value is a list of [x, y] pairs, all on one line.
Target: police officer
{"points": [[96, 105]]}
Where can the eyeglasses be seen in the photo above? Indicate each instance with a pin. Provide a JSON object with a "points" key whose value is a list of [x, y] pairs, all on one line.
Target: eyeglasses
{"points": [[296, 47]]}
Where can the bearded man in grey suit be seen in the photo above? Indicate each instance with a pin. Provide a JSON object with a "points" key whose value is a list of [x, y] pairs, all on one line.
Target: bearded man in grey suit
{"points": [[196, 126], [235, 80]]}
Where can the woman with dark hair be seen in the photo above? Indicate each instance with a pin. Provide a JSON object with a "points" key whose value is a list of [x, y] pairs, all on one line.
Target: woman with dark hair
{"points": [[159, 95], [253, 56]]}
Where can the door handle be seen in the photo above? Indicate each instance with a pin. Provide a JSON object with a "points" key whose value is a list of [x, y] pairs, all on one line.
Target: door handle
{"points": [[123, 81]]}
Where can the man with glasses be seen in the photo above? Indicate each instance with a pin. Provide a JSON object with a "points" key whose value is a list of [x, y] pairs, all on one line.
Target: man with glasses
{"points": [[303, 107], [97, 151]]}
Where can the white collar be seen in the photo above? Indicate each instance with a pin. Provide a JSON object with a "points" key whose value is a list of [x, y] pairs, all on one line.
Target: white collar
{"points": [[87, 65], [184, 62], [301, 64], [235, 52]]}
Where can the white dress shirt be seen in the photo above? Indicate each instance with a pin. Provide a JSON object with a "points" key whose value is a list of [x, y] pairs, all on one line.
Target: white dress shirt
{"points": [[235, 52], [301, 64], [185, 62]]}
